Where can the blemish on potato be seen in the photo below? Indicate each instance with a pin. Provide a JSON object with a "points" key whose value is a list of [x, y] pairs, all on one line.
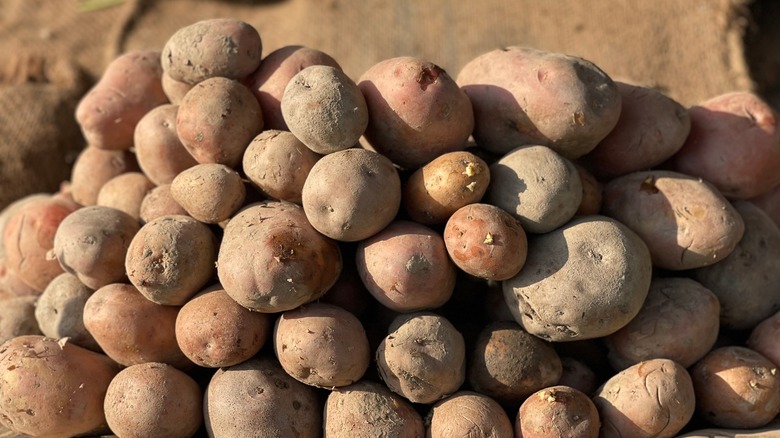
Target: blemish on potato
{"points": [[488, 239], [648, 185]]}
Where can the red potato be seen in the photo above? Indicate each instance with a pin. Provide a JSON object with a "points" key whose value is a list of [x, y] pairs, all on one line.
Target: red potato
{"points": [[175, 90], [467, 414], [416, 111], [523, 96], [210, 192], [224, 47], [160, 153], [159, 202], [555, 412], [268, 82], [129, 88], [125, 192], [94, 167], [734, 144]]}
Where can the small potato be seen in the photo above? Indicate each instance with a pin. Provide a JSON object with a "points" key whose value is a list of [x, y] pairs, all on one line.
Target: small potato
{"points": [[468, 414], [216, 121], [278, 164], [746, 281], [416, 111], [525, 96], [268, 82], [369, 409], [679, 320], [423, 357], [52, 387], [125, 192], [584, 280], [769, 202], [557, 411], [652, 127], [92, 243], [159, 152], [60, 311], [94, 167], [153, 399], [486, 242], [272, 260], [438, 189], [131, 329], [223, 47], [17, 317], [685, 222], [352, 194], [175, 90], [578, 375], [130, 87], [171, 258], [406, 267], [536, 185], [591, 192], [763, 338], [734, 144], [322, 345], [257, 395], [324, 109], [654, 398], [159, 202], [210, 192], [736, 387], [509, 364]]}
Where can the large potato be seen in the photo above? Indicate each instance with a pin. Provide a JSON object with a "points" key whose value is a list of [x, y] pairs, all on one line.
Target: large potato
{"points": [[584, 280]]}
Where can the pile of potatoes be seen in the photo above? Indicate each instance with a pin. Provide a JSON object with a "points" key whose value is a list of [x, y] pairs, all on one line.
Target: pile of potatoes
{"points": [[262, 246]]}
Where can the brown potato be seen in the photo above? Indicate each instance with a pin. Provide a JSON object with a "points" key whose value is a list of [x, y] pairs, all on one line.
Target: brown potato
{"points": [[654, 398], [525, 96], [60, 311], [160, 153], [95, 167], [175, 90], [209, 192], [125, 192], [17, 317], [591, 192], [159, 202], [685, 222], [467, 414], [578, 375], [557, 411], [763, 338]]}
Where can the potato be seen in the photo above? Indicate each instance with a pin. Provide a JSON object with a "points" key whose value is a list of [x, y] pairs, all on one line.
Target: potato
{"points": [[736, 387], [745, 282], [368, 409], [352, 194], [51, 387], [214, 331], [153, 399], [509, 364], [271, 78], [684, 220], [258, 396], [467, 414], [324, 109], [29, 237], [423, 357], [17, 317], [129, 88], [769, 202], [438, 189], [160, 153], [125, 192], [95, 167], [131, 329], [224, 47], [591, 192], [11, 285], [321, 345], [537, 186], [175, 90], [159, 202], [679, 320], [734, 144], [557, 411], [92, 243], [654, 398], [578, 375], [60, 311], [216, 121], [763, 338], [585, 280], [524, 96], [171, 258], [406, 267], [486, 242], [652, 127], [348, 292], [278, 164], [210, 192], [416, 111], [272, 260]]}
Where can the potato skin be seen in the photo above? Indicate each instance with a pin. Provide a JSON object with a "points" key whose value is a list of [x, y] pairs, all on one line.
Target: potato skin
{"points": [[125, 192], [654, 398], [160, 153], [557, 411], [210, 192], [17, 317], [416, 111], [684, 220], [763, 338], [584, 280], [51, 387], [60, 311], [94, 167], [153, 399], [526, 96], [468, 414], [159, 202], [223, 47]]}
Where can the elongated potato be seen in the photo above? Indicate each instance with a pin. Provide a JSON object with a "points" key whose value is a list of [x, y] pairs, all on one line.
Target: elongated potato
{"points": [[160, 153]]}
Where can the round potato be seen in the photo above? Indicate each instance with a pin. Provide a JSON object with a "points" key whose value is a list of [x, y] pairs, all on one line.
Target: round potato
{"points": [[160, 153], [125, 192], [209, 192], [60, 311], [555, 412], [467, 414], [17, 317], [95, 167], [159, 202]]}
